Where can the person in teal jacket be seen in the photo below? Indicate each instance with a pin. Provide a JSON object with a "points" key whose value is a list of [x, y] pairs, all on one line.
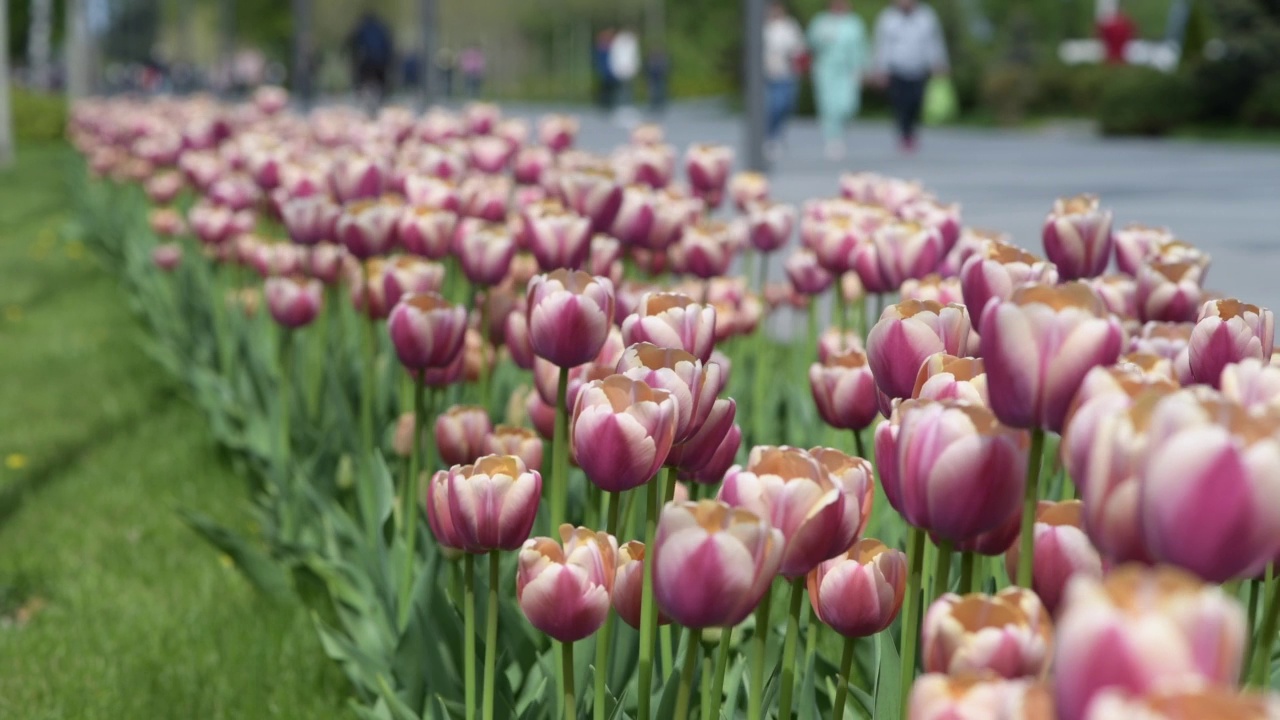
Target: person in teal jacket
{"points": [[838, 40]]}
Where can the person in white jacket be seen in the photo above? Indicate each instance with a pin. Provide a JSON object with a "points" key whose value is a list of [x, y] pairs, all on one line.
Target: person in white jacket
{"points": [[909, 49], [624, 65]]}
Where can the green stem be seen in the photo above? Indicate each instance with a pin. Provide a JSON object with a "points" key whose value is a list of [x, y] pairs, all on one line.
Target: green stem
{"points": [[763, 277], [321, 360], [942, 570], [685, 691], [860, 312], [859, 445], [469, 630], [408, 504], [613, 501], [1026, 546], [717, 686], [491, 641], [1266, 636], [841, 307], [811, 315], [286, 365], [648, 611], [560, 459], [762, 375], [759, 641], [842, 686], [911, 612], [566, 682], [789, 649], [1256, 587], [708, 671], [370, 355], [966, 573], [879, 308]]}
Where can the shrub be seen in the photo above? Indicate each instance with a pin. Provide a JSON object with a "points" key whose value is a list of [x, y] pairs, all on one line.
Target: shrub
{"points": [[1007, 91], [38, 116], [1142, 101], [1069, 89], [1263, 106]]}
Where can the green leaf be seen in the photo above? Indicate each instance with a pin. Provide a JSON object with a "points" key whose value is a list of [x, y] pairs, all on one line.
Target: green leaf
{"points": [[888, 701], [266, 575]]}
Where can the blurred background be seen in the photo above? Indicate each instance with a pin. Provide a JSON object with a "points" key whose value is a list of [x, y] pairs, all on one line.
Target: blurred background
{"points": [[1206, 67]]}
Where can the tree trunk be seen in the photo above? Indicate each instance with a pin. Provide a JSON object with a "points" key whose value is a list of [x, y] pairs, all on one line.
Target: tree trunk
{"points": [[79, 51], [6, 113], [39, 34]]}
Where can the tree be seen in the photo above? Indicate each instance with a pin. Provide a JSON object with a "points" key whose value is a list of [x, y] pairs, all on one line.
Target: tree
{"points": [[6, 112]]}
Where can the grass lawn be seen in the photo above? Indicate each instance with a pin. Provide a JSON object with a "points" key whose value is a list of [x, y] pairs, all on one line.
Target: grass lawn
{"points": [[109, 607]]}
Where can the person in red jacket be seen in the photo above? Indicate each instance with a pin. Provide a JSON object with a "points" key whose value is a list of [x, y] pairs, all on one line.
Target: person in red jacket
{"points": [[1116, 29]]}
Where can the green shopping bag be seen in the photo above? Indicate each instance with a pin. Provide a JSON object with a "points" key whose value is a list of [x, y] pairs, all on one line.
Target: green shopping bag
{"points": [[940, 103]]}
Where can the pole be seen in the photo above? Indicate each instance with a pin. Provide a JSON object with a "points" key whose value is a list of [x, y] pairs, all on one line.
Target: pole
{"points": [[38, 42], [78, 51], [6, 114], [301, 75], [753, 92], [430, 18]]}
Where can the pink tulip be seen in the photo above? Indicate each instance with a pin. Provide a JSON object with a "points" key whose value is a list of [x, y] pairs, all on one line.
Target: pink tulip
{"points": [[700, 450], [546, 375], [636, 213], [948, 467], [570, 313], [806, 274], [704, 250], [163, 187], [628, 584], [672, 320], [439, 513], [934, 287], [557, 131], [906, 250], [947, 377], [859, 593], [1187, 703], [1077, 237], [516, 336], [426, 231], [558, 238], [1140, 630], [167, 222], [1038, 345], [1252, 384], [542, 415], [603, 258], [1228, 331], [215, 225], [672, 213], [460, 434], [485, 253], [844, 390], [427, 331], [564, 588], [433, 193], [310, 220], [521, 442], [529, 164], [969, 696], [481, 118], [854, 475], [1169, 292], [995, 270], [1062, 551], [707, 167], [357, 177], [833, 342], [1136, 244], [819, 518], [484, 196], [1008, 634], [1118, 293], [906, 335], [593, 193], [928, 212], [747, 188], [621, 432], [236, 192], [712, 563], [368, 227], [692, 384], [406, 274], [720, 461], [1167, 340], [326, 262], [769, 225], [167, 257], [493, 502], [649, 164], [294, 301], [490, 153]]}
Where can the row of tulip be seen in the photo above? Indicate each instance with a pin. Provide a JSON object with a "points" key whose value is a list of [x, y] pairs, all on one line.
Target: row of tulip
{"points": [[484, 252]]}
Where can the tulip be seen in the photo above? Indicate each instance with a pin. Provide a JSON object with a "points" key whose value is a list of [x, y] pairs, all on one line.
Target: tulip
{"points": [[713, 563], [593, 193], [167, 222], [460, 434], [310, 220], [603, 257], [1252, 384], [163, 187], [978, 697], [627, 584], [236, 192], [818, 518], [636, 213], [426, 231], [546, 376], [1077, 237], [672, 213], [326, 261], [806, 274], [439, 513], [769, 225], [1184, 703], [947, 377], [484, 196], [834, 342], [692, 384], [557, 131], [1136, 244], [516, 336], [1008, 634], [570, 313], [493, 502], [1169, 292], [357, 177], [432, 193], [542, 415], [844, 390], [995, 270], [1140, 630], [672, 320], [368, 227], [648, 164], [481, 118], [1118, 293], [1062, 551], [294, 301], [1228, 331], [707, 167], [1167, 340], [703, 450], [704, 250], [948, 467], [485, 253], [621, 432], [427, 331], [521, 442], [1038, 345], [905, 250], [167, 256], [557, 237], [490, 153], [860, 592], [934, 287], [928, 212], [215, 225], [564, 588], [407, 274], [905, 336], [748, 188]]}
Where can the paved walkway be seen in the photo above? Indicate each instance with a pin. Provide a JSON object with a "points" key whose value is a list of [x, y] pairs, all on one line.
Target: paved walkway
{"points": [[1224, 198]]}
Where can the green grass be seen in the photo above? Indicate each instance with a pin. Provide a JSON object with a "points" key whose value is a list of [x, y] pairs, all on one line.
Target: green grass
{"points": [[109, 606]]}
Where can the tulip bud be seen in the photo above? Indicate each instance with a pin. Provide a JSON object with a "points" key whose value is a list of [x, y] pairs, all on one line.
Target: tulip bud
{"points": [[432, 193], [1169, 292], [357, 177], [1136, 244], [542, 415], [672, 213], [818, 518], [702, 449], [704, 250], [672, 320], [1228, 331], [570, 313], [485, 253], [950, 467], [712, 563], [860, 592], [490, 153], [906, 335], [439, 512], [905, 250], [1062, 551], [806, 274], [167, 256], [368, 227], [1140, 630], [407, 274], [748, 188], [558, 238], [310, 220], [460, 434], [1077, 237], [493, 502], [593, 193], [844, 390], [1009, 634], [326, 262], [1038, 345], [692, 384], [707, 167], [557, 131], [995, 270], [426, 231], [947, 377], [628, 584], [933, 287], [622, 431], [294, 301], [521, 442], [769, 225], [427, 331], [484, 196], [564, 589], [1118, 293]]}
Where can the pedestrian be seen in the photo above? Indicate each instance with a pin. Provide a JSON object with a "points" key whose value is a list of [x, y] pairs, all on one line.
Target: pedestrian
{"points": [[605, 83], [371, 55], [657, 68], [909, 49], [472, 65], [1116, 30], [624, 65], [784, 50], [838, 39]]}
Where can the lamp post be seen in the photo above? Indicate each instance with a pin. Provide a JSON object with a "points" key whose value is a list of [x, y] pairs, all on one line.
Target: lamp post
{"points": [[753, 92]]}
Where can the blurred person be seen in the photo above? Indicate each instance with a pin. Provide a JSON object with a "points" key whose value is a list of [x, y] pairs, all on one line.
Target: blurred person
{"points": [[909, 49], [657, 69], [838, 39], [471, 62], [371, 55], [624, 65], [1116, 30], [784, 50], [600, 64], [446, 66]]}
